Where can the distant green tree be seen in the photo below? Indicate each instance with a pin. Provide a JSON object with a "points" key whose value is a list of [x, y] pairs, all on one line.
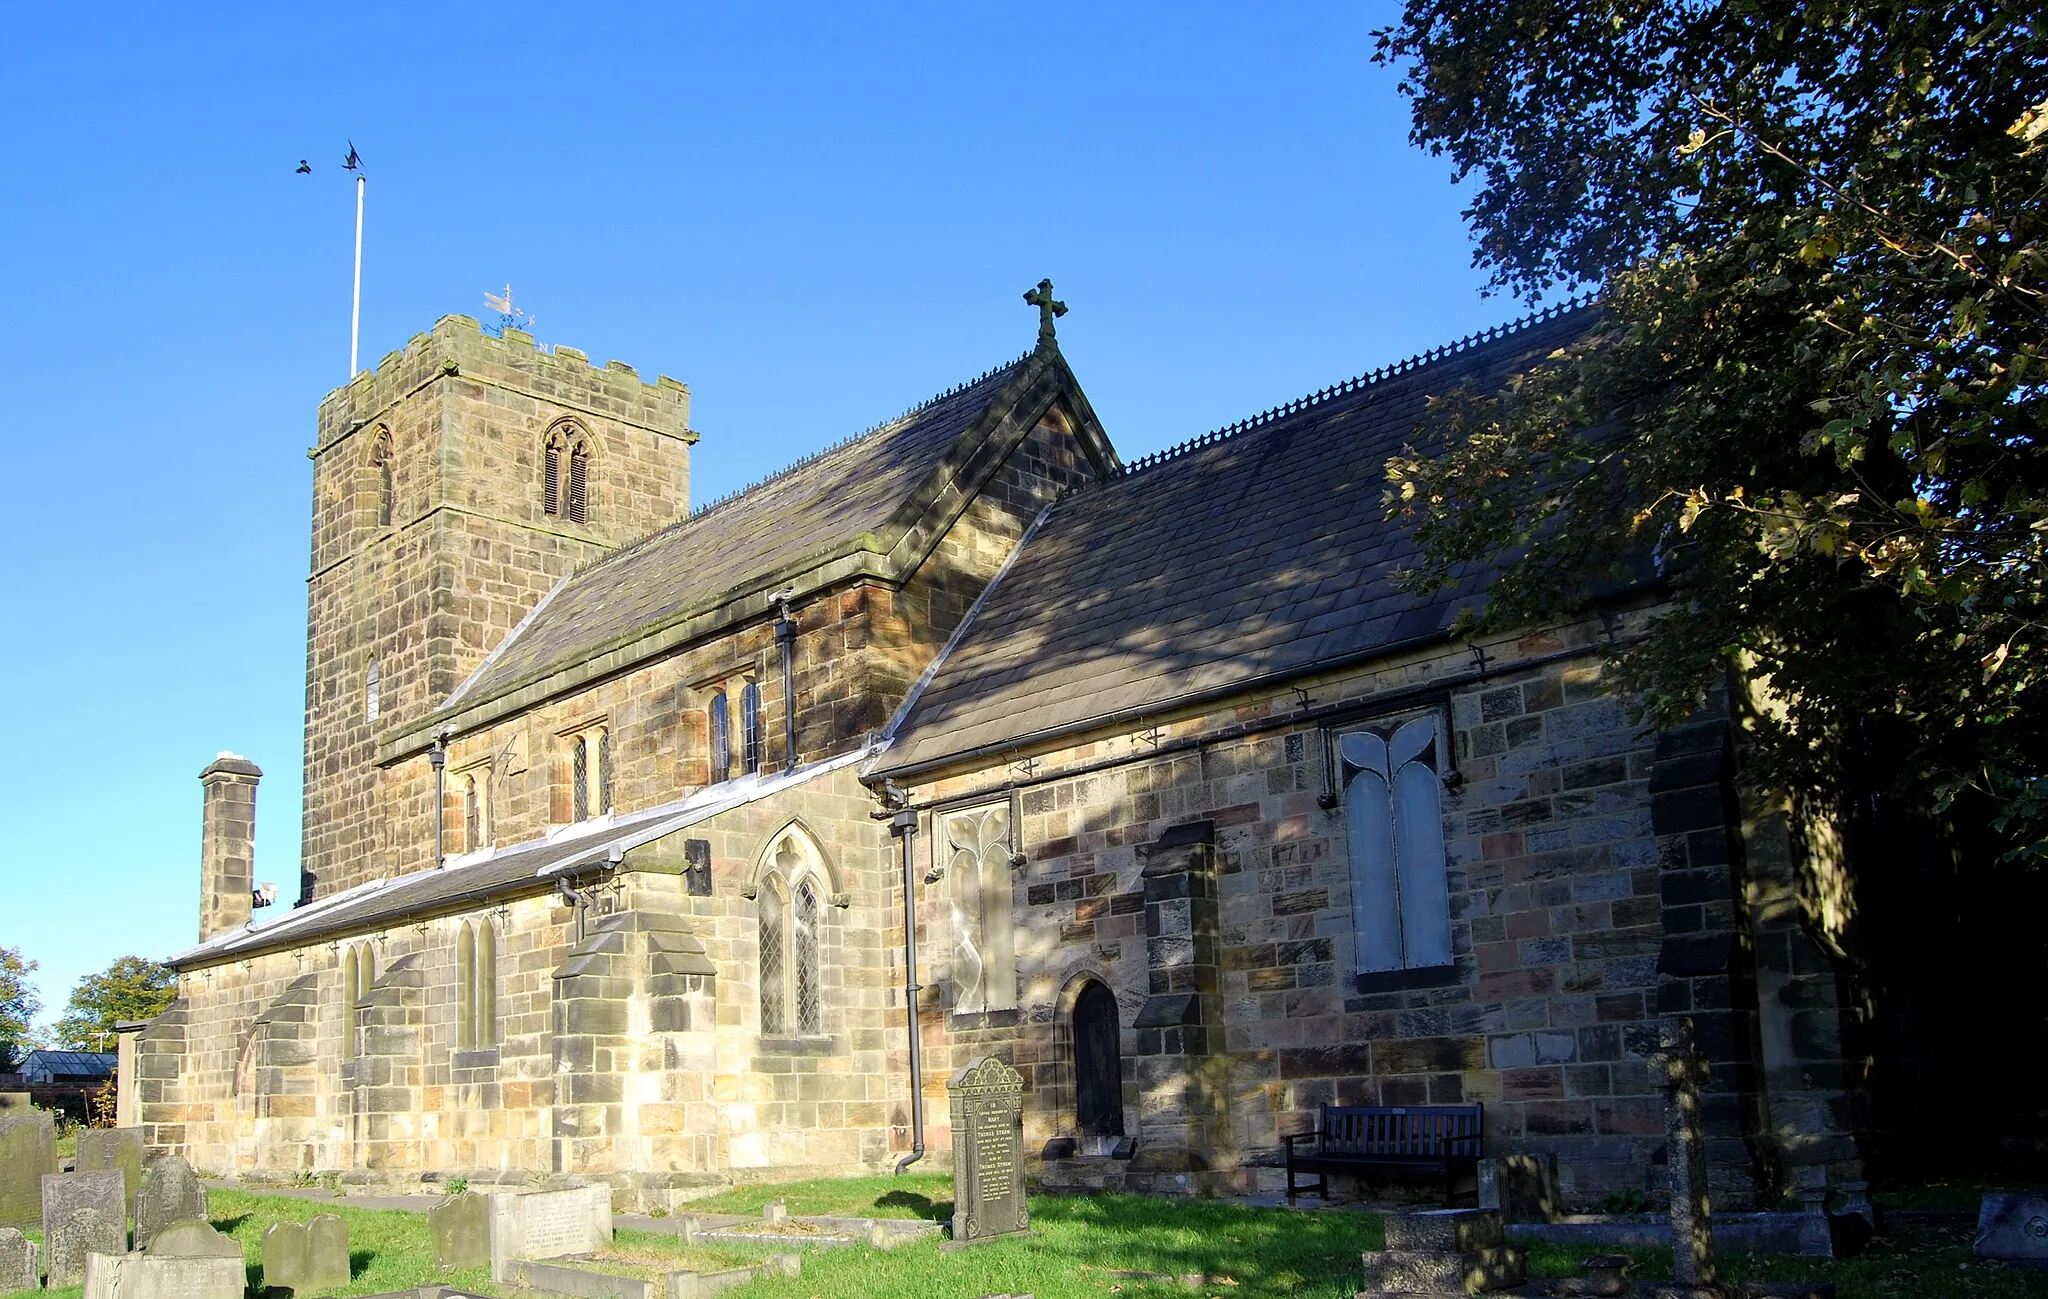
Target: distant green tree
{"points": [[1816, 389], [130, 989], [18, 1005]]}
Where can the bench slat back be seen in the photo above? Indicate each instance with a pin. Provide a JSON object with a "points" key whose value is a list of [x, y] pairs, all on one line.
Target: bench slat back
{"points": [[1422, 1131]]}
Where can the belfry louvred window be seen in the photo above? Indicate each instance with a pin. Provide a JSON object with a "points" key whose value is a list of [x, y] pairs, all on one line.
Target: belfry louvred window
{"points": [[579, 484], [565, 474], [551, 479]]}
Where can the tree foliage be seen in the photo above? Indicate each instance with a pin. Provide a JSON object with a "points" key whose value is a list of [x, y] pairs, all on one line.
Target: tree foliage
{"points": [[130, 989], [1814, 391], [18, 1005]]}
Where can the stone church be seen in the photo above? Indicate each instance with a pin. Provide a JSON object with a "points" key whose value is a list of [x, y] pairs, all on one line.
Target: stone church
{"points": [[673, 846]]}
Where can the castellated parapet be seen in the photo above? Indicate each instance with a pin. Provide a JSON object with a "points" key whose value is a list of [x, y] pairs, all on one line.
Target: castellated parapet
{"points": [[433, 535]]}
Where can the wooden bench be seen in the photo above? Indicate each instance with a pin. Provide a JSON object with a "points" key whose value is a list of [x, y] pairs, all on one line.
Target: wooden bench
{"points": [[1429, 1142]]}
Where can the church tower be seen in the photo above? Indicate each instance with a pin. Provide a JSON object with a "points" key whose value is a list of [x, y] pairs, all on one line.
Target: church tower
{"points": [[452, 487]]}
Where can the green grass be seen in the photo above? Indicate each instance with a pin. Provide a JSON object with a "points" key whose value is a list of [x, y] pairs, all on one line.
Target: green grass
{"points": [[924, 1195]]}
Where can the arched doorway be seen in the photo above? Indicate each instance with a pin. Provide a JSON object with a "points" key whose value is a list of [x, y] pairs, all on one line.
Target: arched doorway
{"points": [[1098, 1064]]}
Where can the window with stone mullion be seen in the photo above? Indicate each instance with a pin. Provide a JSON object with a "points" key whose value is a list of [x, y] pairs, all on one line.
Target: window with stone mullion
{"points": [[806, 974]]}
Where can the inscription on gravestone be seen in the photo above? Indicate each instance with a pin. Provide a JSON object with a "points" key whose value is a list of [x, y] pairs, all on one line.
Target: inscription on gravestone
{"points": [[117, 1148], [146, 1276], [20, 1268], [67, 1194], [988, 1151], [548, 1224], [169, 1193], [28, 1150], [86, 1231]]}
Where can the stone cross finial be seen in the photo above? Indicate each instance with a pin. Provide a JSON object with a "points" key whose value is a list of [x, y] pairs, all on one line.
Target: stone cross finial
{"points": [[1049, 309]]}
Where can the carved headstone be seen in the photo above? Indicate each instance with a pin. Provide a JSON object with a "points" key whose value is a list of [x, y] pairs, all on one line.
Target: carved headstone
{"points": [[1681, 1069], [547, 1224], [2013, 1225], [306, 1258], [65, 1194], [20, 1266], [988, 1151], [28, 1150], [120, 1149], [86, 1231], [461, 1228], [169, 1193], [191, 1238], [156, 1276]]}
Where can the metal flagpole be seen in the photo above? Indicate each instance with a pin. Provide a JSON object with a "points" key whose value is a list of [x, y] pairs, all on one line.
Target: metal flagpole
{"points": [[355, 320]]}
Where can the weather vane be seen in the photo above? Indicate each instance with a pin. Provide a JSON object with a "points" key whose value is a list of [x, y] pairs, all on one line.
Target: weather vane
{"points": [[509, 316]]}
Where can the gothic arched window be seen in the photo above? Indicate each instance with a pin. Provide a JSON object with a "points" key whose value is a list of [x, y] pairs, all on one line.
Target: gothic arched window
{"points": [[789, 904], [721, 737], [976, 851], [750, 729], [358, 976], [476, 987], [804, 975], [565, 474], [373, 691], [1393, 808]]}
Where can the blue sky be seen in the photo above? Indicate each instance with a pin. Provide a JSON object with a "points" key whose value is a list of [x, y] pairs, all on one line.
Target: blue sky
{"points": [[815, 216]]}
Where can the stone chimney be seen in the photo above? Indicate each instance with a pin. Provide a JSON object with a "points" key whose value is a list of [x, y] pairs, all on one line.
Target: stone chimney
{"points": [[227, 844]]}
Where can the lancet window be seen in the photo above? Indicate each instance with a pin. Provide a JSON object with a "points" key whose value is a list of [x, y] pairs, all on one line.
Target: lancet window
{"points": [[476, 987], [1393, 808], [565, 474], [975, 849], [790, 904]]}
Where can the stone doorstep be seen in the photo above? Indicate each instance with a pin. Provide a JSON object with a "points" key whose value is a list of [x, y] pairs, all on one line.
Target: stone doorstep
{"points": [[1473, 1271]]}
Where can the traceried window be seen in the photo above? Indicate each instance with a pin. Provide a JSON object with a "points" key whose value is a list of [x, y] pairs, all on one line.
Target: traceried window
{"points": [[975, 850], [750, 729], [805, 976], [774, 963], [373, 691], [789, 903], [1393, 807], [579, 779], [380, 475], [476, 987], [721, 736], [565, 474]]}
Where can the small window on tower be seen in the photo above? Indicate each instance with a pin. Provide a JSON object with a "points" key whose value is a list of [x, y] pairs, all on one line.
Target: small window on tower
{"points": [[380, 463], [472, 817], [372, 691], [721, 737], [551, 478], [565, 474], [579, 484]]}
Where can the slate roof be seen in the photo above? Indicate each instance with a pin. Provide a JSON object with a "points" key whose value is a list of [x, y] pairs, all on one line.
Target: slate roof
{"points": [[1259, 552], [470, 880], [816, 509]]}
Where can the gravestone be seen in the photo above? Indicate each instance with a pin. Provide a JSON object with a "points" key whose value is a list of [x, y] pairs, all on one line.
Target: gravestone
{"points": [[86, 1231], [306, 1258], [169, 1193], [1443, 1252], [1522, 1187], [988, 1152], [163, 1276], [2013, 1225], [547, 1224], [28, 1150], [20, 1268], [461, 1228], [65, 1194], [121, 1149], [1681, 1069], [191, 1238]]}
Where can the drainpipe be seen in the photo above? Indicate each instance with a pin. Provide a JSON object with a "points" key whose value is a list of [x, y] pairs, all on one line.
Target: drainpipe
{"points": [[785, 636], [904, 826], [438, 757]]}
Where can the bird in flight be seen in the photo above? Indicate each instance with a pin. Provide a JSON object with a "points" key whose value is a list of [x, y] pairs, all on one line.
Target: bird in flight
{"points": [[305, 168], [352, 162]]}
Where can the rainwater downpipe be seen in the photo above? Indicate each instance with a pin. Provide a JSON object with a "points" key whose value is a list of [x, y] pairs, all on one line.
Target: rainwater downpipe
{"points": [[904, 826], [437, 756], [785, 637]]}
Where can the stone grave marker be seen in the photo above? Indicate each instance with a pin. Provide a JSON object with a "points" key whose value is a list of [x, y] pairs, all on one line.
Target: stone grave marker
{"points": [[118, 1148], [20, 1266], [461, 1228], [84, 1231], [308, 1257], [169, 1193], [1681, 1069], [28, 1150], [988, 1152], [64, 1194], [1443, 1252], [547, 1224], [2013, 1225], [1522, 1187], [164, 1276], [192, 1238]]}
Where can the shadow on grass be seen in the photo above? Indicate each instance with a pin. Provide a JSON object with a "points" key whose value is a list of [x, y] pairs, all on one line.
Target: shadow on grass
{"points": [[359, 1262], [924, 1206], [225, 1223]]}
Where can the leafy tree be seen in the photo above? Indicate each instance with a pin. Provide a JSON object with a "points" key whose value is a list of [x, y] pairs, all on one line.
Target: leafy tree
{"points": [[1814, 389], [18, 1005], [131, 988]]}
